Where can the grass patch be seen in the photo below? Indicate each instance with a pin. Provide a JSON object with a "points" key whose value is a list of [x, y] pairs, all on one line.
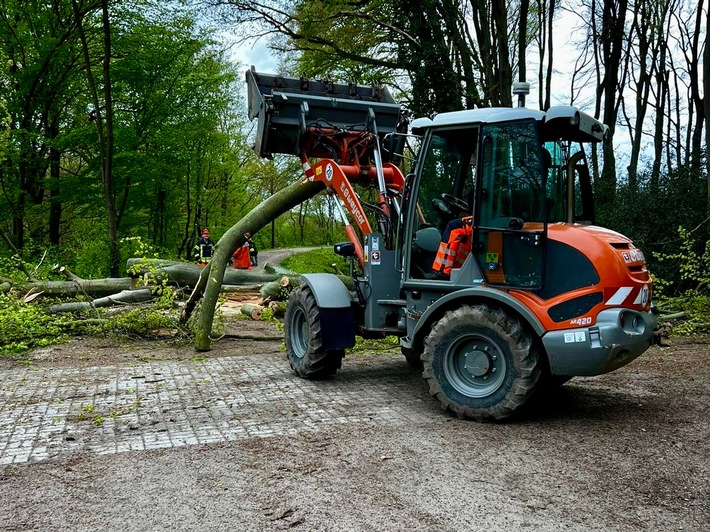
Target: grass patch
{"points": [[315, 261]]}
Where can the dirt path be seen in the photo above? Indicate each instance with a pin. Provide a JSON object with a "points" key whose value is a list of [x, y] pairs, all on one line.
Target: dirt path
{"points": [[234, 441]]}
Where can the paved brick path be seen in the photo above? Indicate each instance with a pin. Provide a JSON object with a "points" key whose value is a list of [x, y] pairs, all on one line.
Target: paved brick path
{"points": [[50, 412]]}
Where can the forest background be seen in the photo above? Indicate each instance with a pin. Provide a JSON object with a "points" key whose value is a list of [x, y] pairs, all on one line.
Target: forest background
{"points": [[123, 126]]}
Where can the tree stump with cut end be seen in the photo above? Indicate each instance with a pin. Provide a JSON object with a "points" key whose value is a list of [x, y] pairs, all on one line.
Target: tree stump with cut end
{"points": [[251, 310]]}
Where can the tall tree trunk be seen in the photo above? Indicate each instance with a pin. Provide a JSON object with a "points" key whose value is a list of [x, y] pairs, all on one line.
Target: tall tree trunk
{"points": [[550, 55], [612, 40], [641, 26], [697, 101], [706, 104], [104, 127], [55, 204], [659, 138]]}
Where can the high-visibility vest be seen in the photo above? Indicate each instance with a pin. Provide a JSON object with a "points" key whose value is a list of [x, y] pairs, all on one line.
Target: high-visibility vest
{"points": [[203, 251], [453, 252]]}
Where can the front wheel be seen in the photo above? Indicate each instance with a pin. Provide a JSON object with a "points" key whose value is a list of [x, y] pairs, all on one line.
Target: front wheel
{"points": [[480, 362], [304, 345]]}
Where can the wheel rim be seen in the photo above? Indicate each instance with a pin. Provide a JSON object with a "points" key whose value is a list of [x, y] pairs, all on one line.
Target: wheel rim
{"points": [[475, 365], [299, 333]]}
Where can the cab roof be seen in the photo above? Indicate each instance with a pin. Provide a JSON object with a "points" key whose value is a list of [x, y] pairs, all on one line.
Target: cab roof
{"points": [[560, 122]]}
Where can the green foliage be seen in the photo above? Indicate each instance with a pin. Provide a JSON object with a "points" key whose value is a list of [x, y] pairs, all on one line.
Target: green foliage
{"points": [[24, 326], [375, 345], [692, 295], [651, 214], [314, 261], [142, 321]]}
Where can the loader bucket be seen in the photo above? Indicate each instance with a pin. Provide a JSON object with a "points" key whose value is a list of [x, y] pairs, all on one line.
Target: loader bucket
{"points": [[285, 107]]}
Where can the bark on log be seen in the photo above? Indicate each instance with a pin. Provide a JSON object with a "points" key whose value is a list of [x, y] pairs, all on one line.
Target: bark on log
{"points": [[255, 337], [278, 270], [90, 287], [69, 275], [245, 288], [126, 296], [211, 278], [187, 274], [251, 310], [275, 290]]}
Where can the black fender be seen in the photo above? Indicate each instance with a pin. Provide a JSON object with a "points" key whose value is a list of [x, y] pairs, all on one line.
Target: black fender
{"points": [[337, 314]]}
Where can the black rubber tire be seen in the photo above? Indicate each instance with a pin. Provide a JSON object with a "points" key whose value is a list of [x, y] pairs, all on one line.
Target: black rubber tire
{"points": [[302, 329], [481, 363], [412, 357]]}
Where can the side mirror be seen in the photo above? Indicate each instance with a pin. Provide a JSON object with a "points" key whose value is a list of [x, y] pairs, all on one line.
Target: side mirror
{"points": [[344, 249]]}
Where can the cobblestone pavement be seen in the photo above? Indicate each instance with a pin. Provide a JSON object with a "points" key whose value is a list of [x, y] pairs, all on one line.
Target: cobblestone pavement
{"points": [[55, 411]]}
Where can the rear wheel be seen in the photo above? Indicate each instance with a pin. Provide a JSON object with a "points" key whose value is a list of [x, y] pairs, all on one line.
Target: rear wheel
{"points": [[304, 346], [480, 362]]}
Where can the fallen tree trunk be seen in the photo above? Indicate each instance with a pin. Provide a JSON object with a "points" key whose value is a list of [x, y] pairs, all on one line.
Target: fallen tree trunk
{"points": [[89, 287], [187, 274], [211, 278], [125, 296]]}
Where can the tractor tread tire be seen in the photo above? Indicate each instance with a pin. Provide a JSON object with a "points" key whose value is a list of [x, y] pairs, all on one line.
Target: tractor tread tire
{"points": [[516, 390], [306, 355]]}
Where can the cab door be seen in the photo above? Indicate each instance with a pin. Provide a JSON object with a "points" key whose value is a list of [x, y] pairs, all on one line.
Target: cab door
{"points": [[510, 223]]}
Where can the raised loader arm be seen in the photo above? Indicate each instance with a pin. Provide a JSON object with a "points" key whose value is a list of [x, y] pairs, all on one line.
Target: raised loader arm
{"points": [[336, 130]]}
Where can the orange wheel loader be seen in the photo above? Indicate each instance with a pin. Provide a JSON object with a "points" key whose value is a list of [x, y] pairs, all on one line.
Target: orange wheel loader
{"points": [[482, 257]]}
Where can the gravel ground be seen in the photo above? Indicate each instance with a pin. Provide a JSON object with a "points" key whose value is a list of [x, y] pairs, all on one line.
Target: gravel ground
{"points": [[367, 450], [234, 441]]}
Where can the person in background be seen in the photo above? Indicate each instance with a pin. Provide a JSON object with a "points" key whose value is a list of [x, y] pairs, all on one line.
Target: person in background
{"points": [[204, 248], [241, 257], [253, 252]]}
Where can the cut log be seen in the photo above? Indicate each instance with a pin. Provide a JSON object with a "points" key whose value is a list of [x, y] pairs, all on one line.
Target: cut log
{"points": [[278, 270], [125, 296], [251, 310], [279, 290]]}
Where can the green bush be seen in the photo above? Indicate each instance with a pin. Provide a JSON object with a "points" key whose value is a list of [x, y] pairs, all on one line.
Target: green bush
{"points": [[25, 325], [650, 215], [690, 294]]}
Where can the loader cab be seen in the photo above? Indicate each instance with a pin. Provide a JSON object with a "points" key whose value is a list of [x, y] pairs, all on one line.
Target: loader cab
{"points": [[487, 165], [512, 172]]}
